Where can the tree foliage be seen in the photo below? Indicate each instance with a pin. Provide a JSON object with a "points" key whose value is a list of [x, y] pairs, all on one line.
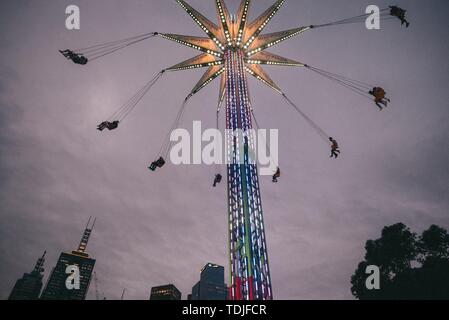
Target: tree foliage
{"points": [[411, 266]]}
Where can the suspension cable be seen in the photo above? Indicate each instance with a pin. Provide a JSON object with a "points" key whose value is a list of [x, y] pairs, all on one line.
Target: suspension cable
{"points": [[356, 82], [166, 143], [108, 51], [348, 85], [124, 111], [100, 50], [312, 123], [112, 43], [356, 86], [384, 14]]}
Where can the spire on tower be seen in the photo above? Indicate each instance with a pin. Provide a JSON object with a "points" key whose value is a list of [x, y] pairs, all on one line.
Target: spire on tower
{"points": [[29, 286], [39, 267], [85, 238]]}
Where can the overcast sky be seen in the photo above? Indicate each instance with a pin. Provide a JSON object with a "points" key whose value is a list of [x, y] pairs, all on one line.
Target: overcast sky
{"points": [[56, 170]]}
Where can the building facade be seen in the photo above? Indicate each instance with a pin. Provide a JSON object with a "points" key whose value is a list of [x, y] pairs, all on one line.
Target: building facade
{"points": [[167, 292], [211, 285], [57, 287], [30, 285]]}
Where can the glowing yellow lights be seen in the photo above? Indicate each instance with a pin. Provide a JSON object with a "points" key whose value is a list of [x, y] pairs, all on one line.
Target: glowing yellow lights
{"points": [[209, 80], [190, 42], [197, 65], [234, 36], [263, 20]]}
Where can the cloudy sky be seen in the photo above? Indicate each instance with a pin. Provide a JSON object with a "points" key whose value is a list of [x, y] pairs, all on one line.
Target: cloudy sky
{"points": [[56, 170]]}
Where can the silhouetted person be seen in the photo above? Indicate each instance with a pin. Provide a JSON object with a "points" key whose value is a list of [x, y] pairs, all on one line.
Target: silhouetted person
{"points": [[108, 125], [159, 163], [380, 99], [277, 175], [217, 180], [113, 125], [399, 13], [335, 149], [76, 58]]}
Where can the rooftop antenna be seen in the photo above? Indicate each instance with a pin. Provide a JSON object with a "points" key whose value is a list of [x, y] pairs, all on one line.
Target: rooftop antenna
{"points": [[123, 294], [39, 267], [85, 238]]}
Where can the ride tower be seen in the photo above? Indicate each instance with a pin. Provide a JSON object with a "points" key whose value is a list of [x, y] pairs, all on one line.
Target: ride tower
{"points": [[248, 266], [233, 49]]}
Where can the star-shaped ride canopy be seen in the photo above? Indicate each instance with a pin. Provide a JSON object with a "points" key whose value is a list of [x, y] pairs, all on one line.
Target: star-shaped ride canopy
{"points": [[237, 33]]}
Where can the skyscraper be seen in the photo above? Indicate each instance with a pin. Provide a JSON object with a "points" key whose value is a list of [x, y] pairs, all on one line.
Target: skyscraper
{"points": [[56, 288], [196, 291], [30, 285], [211, 285], [168, 292]]}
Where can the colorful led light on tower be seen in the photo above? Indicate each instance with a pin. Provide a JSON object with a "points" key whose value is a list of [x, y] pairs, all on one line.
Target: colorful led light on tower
{"points": [[234, 49]]}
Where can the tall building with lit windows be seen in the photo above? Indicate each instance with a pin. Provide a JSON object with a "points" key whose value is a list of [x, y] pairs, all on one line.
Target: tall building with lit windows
{"points": [[211, 285], [167, 292], [56, 288]]}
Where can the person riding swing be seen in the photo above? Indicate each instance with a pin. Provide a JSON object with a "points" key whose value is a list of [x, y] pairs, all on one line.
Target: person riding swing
{"points": [[75, 57], [159, 163], [108, 125], [277, 175], [399, 13], [217, 180], [380, 98], [335, 148]]}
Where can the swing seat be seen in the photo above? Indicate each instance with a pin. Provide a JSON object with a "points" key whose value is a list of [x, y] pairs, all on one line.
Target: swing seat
{"points": [[159, 163]]}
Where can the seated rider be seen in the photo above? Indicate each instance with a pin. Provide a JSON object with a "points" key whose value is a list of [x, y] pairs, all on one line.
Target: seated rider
{"points": [[380, 97], [159, 163], [108, 125], [335, 148], [113, 125], [76, 58], [399, 13], [80, 59], [277, 175], [218, 178]]}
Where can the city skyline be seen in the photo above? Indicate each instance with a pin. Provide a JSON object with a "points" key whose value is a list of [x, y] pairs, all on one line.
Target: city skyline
{"points": [[26, 287], [56, 170], [33, 286]]}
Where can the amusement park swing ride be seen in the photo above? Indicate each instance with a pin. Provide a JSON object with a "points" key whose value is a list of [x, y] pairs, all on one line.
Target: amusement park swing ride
{"points": [[232, 50]]}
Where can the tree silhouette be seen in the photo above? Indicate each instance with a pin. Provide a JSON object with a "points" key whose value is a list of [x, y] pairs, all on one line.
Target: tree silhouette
{"points": [[411, 266]]}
